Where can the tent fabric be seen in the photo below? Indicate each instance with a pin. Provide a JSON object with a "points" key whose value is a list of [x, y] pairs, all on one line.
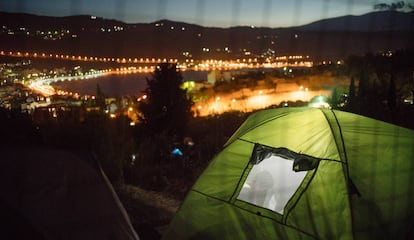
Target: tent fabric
{"points": [[55, 194], [360, 188]]}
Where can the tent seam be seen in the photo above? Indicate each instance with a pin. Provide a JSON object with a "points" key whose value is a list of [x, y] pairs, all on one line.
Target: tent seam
{"points": [[262, 123], [325, 159], [258, 125], [342, 154], [291, 207], [272, 219], [240, 180]]}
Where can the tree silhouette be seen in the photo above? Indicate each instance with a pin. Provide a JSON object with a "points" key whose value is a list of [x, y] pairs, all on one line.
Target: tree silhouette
{"points": [[363, 83], [165, 113], [352, 90], [384, 82], [392, 95], [335, 100], [167, 108], [391, 6], [100, 98]]}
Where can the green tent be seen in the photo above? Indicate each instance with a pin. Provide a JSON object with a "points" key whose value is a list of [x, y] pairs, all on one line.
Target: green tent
{"points": [[304, 173]]}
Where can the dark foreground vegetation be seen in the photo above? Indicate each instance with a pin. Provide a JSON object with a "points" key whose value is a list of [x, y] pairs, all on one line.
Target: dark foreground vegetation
{"points": [[161, 157], [144, 184]]}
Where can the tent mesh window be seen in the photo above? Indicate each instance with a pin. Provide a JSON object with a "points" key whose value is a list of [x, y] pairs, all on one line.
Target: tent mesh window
{"points": [[275, 177]]}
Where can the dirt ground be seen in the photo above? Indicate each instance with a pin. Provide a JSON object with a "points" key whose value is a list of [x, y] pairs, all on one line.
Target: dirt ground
{"points": [[149, 211]]}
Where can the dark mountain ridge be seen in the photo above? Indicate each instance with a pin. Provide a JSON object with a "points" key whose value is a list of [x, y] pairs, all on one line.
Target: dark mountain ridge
{"points": [[374, 21], [370, 22], [95, 36]]}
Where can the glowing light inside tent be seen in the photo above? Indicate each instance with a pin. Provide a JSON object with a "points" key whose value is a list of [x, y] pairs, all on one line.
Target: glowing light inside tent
{"points": [[271, 183]]}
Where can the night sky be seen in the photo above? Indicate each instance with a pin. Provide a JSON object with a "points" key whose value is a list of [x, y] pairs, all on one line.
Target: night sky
{"points": [[218, 13]]}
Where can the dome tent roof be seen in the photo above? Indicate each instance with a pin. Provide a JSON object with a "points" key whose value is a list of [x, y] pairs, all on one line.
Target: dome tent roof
{"points": [[355, 180]]}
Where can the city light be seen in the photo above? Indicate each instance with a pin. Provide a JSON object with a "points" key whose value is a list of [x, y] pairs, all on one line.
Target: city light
{"points": [[134, 65], [210, 64]]}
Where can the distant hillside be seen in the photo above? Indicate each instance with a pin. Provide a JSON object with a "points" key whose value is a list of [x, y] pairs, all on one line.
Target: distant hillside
{"points": [[17, 20], [94, 36], [371, 22]]}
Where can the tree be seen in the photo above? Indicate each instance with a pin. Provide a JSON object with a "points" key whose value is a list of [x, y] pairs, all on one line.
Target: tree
{"points": [[363, 84], [165, 114], [352, 90], [391, 6], [100, 98], [392, 95], [334, 101], [167, 108]]}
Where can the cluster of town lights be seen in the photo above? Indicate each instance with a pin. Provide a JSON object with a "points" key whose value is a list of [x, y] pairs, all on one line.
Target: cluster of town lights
{"points": [[217, 105], [255, 100], [281, 61], [87, 58]]}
